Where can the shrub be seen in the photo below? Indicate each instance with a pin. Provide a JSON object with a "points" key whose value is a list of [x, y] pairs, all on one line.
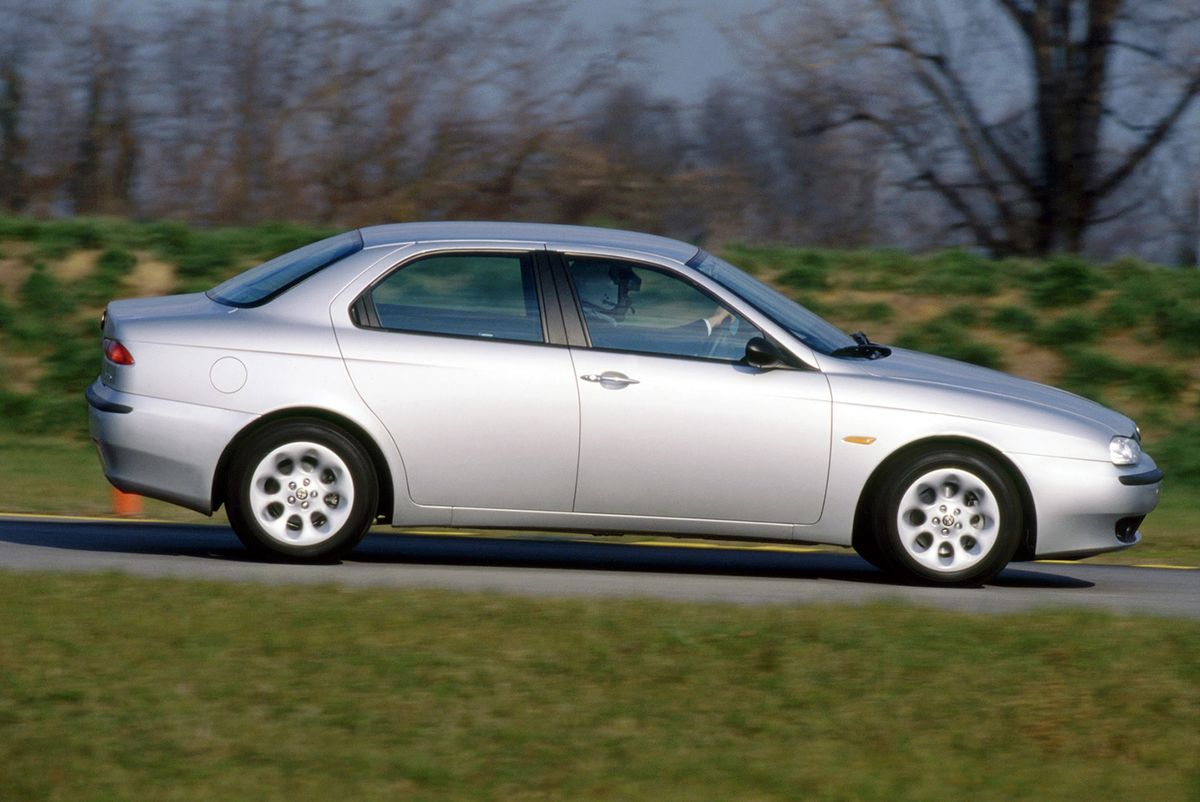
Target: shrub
{"points": [[1179, 454], [1014, 319], [1068, 331], [18, 228], [1158, 383], [813, 304], [18, 411], [168, 239], [1088, 372], [1178, 323], [1062, 281], [960, 272], [946, 337], [870, 311], [74, 361], [205, 255], [113, 265], [1125, 311], [809, 270], [56, 238], [42, 293]]}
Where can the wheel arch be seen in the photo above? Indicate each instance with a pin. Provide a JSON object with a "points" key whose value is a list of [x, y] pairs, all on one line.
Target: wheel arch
{"points": [[862, 511], [383, 472]]}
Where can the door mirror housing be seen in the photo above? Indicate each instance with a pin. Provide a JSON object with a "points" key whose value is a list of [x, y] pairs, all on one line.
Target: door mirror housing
{"points": [[762, 353]]}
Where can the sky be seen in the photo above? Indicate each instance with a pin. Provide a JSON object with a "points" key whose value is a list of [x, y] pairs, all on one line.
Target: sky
{"points": [[695, 52]]}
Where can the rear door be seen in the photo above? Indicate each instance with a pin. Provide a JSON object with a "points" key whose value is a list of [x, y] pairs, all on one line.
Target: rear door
{"points": [[672, 422], [452, 350]]}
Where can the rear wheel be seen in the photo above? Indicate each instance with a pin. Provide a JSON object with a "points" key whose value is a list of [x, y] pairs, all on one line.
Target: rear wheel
{"points": [[302, 490], [947, 516]]}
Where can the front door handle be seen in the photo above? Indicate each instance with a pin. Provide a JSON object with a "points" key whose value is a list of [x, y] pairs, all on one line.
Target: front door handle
{"points": [[610, 378]]}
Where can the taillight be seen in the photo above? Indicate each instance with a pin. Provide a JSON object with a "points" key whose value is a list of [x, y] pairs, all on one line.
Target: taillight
{"points": [[116, 353]]}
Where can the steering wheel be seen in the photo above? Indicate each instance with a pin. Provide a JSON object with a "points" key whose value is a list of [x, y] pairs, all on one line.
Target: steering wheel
{"points": [[594, 311], [722, 334]]}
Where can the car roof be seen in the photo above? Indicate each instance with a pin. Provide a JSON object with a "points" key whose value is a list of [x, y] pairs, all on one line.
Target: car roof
{"points": [[554, 236]]}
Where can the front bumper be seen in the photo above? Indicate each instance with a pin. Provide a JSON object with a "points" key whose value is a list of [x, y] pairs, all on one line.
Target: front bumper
{"points": [[162, 449], [1078, 504]]}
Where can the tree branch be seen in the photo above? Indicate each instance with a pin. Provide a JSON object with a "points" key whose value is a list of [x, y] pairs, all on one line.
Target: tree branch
{"points": [[1157, 134], [963, 114], [1021, 15], [928, 175]]}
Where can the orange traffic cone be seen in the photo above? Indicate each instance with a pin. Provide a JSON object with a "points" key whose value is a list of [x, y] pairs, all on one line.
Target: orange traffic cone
{"points": [[126, 505]]}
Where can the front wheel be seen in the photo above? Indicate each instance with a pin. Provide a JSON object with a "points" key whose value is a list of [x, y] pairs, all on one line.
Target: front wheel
{"points": [[947, 516], [302, 490]]}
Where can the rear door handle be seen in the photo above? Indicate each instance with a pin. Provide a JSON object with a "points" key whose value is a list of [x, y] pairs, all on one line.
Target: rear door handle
{"points": [[610, 378]]}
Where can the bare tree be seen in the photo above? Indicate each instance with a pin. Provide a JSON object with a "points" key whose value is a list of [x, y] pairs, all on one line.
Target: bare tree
{"points": [[1026, 117], [22, 34]]}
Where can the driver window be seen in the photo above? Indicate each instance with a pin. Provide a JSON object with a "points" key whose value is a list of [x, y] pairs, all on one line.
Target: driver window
{"points": [[632, 307]]}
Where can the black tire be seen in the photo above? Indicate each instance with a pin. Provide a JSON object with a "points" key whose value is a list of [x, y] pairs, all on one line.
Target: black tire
{"points": [[906, 556], [314, 521]]}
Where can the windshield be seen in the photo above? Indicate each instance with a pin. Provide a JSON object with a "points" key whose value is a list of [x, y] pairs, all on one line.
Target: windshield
{"points": [[809, 329], [260, 284]]}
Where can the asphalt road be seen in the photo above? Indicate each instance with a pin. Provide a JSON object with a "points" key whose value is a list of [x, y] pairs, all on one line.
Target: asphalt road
{"points": [[545, 566]]}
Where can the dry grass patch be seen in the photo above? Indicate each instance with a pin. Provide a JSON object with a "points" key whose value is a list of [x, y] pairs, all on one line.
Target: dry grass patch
{"points": [[21, 371], [150, 277], [14, 269], [1025, 359], [74, 266]]}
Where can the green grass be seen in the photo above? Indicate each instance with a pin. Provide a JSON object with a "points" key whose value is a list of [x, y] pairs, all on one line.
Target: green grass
{"points": [[63, 477], [1171, 534], [121, 688], [1062, 281]]}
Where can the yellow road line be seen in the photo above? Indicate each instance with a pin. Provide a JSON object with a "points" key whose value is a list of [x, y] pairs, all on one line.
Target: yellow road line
{"points": [[722, 547], [29, 516], [1168, 567]]}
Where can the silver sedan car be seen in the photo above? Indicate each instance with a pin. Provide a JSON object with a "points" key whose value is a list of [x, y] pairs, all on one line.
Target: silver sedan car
{"points": [[580, 379]]}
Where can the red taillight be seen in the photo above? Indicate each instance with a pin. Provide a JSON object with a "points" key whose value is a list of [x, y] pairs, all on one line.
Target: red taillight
{"points": [[116, 353]]}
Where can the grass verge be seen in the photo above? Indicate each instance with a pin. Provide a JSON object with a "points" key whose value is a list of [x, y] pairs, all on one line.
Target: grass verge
{"points": [[122, 688]]}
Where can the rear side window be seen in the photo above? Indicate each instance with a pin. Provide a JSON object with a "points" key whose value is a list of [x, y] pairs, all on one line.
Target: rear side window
{"points": [[492, 296], [260, 284]]}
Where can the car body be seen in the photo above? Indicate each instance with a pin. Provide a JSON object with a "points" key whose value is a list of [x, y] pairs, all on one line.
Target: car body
{"points": [[572, 378]]}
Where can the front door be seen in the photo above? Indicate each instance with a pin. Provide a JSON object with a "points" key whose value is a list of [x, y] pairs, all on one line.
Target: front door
{"points": [[671, 423]]}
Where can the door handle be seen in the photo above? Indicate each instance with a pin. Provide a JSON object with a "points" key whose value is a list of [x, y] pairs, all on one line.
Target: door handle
{"points": [[609, 377]]}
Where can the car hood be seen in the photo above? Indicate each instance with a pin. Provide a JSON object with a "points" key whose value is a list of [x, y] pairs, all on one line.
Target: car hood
{"points": [[919, 368]]}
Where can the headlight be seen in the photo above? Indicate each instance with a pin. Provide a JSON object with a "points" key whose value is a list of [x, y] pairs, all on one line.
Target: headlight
{"points": [[1124, 451]]}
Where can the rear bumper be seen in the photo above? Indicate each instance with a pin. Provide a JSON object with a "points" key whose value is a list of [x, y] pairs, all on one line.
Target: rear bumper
{"points": [[162, 449], [1080, 504]]}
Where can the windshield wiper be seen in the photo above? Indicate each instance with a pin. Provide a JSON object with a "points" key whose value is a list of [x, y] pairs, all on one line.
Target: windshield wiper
{"points": [[863, 347]]}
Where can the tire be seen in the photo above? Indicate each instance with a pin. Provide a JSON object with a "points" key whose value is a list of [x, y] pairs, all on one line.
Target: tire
{"points": [[946, 516], [302, 490]]}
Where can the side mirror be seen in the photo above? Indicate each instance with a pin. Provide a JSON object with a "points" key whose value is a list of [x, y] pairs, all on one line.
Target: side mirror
{"points": [[761, 353]]}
